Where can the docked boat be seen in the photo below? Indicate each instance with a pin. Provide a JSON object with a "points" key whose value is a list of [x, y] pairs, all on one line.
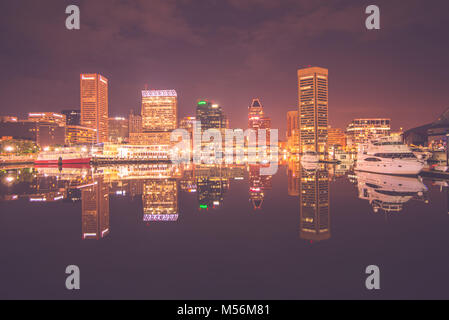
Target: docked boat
{"points": [[310, 157], [64, 156], [388, 155]]}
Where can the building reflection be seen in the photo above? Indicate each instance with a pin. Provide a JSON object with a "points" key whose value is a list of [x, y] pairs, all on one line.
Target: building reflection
{"points": [[212, 183], [160, 200], [314, 204], [258, 184], [95, 209], [293, 176], [389, 193]]}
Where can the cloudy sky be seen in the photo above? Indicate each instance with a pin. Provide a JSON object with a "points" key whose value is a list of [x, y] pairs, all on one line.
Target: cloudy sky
{"points": [[230, 51]]}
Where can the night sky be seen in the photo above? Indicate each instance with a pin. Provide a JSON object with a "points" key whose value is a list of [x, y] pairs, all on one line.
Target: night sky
{"points": [[230, 51]]}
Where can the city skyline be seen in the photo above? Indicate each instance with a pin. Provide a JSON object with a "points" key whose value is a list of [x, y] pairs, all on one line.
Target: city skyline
{"points": [[371, 75]]}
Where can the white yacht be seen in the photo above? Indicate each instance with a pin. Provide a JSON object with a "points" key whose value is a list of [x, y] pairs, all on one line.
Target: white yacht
{"points": [[389, 193], [388, 155], [310, 157]]}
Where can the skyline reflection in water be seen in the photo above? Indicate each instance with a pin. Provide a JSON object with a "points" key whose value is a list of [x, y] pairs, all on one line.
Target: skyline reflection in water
{"points": [[299, 205]]}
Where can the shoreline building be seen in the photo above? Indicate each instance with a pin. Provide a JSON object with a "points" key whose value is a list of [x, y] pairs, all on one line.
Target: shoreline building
{"points": [[159, 117], [430, 135], [78, 135], [360, 131], [293, 131], [94, 104], [336, 139], [313, 109]]}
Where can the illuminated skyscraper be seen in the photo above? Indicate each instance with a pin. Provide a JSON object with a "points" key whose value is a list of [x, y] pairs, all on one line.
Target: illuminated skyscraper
{"points": [[313, 109], [256, 117], [94, 104], [159, 110], [210, 115]]}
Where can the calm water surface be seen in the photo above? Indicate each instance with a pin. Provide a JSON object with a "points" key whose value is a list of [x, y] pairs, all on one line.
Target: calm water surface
{"points": [[157, 231]]}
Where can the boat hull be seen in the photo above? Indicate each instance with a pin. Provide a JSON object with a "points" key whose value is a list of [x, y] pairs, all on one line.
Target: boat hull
{"points": [[406, 170]]}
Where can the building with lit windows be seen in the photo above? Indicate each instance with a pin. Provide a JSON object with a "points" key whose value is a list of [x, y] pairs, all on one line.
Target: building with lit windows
{"points": [[159, 110], [49, 117], [257, 119], [135, 123], [336, 138], [293, 131], [211, 116], [118, 130], [73, 117], [360, 131], [76, 135], [186, 123], [94, 104], [313, 109], [43, 134]]}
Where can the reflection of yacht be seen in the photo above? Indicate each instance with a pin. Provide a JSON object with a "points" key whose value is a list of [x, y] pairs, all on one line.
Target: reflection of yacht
{"points": [[387, 192], [310, 157], [388, 155]]}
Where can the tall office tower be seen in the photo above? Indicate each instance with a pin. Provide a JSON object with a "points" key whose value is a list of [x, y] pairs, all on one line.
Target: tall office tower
{"points": [[95, 210], [135, 123], [313, 109], [94, 104], [293, 131], [210, 115], [256, 116], [159, 110], [314, 205], [73, 117]]}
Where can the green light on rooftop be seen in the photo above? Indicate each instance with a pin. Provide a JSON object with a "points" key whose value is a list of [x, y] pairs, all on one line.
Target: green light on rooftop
{"points": [[203, 206], [201, 103]]}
